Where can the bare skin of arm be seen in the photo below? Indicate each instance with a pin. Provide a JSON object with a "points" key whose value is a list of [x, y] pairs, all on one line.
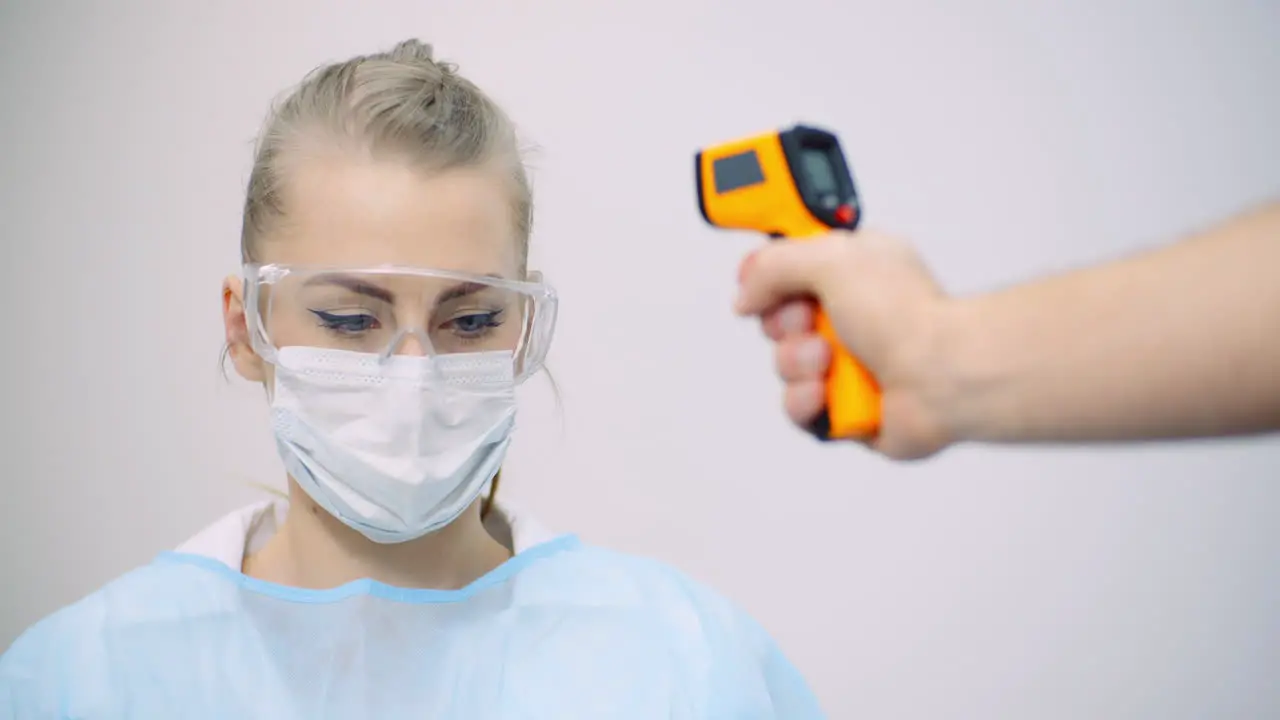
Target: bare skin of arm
{"points": [[1177, 342]]}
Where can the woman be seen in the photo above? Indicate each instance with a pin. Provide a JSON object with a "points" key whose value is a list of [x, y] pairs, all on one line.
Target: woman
{"points": [[386, 306]]}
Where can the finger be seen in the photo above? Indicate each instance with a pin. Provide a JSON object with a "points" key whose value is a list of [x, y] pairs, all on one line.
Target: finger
{"points": [[789, 319], [781, 271], [804, 400], [803, 358]]}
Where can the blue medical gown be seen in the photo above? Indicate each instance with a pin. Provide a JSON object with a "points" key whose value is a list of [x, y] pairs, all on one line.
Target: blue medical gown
{"points": [[561, 631]]}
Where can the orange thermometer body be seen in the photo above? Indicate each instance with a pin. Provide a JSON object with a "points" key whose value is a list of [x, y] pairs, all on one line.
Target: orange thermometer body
{"points": [[795, 185]]}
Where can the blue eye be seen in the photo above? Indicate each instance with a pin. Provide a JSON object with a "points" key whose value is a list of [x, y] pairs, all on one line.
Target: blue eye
{"points": [[346, 324], [475, 324]]}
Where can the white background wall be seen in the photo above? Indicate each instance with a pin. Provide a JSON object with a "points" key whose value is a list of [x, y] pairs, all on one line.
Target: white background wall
{"points": [[1007, 139]]}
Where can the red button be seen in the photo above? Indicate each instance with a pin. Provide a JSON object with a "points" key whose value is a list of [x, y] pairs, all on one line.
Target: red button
{"points": [[844, 214]]}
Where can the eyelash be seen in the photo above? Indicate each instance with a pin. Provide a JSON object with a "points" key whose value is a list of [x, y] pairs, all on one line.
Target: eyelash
{"points": [[345, 325], [488, 321], [348, 325]]}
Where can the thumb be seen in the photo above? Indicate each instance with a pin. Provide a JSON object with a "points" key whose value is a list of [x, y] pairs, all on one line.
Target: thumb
{"points": [[780, 271]]}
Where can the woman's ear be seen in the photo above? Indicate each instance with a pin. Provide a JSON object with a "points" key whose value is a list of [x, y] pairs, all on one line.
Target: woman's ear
{"points": [[246, 361]]}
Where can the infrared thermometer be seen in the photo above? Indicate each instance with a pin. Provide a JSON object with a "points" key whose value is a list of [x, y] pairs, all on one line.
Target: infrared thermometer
{"points": [[795, 185]]}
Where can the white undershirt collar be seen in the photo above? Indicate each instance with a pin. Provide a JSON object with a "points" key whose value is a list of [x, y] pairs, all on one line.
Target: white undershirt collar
{"points": [[246, 530]]}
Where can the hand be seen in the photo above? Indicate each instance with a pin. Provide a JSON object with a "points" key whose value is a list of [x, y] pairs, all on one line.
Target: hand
{"points": [[887, 310]]}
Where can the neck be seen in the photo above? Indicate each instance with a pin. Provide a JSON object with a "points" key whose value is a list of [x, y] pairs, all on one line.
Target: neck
{"points": [[314, 550]]}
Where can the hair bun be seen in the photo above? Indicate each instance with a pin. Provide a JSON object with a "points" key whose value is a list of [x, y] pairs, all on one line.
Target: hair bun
{"points": [[414, 50]]}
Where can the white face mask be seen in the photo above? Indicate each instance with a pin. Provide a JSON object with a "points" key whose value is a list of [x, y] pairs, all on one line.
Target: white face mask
{"points": [[393, 447]]}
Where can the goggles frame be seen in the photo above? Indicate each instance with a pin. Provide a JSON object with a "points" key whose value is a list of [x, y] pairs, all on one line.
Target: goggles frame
{"points": [[535, 344]]}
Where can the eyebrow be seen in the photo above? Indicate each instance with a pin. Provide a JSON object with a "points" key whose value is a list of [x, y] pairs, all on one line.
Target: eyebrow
{"points": [[354, 284], [361, 287], [462, 290]]}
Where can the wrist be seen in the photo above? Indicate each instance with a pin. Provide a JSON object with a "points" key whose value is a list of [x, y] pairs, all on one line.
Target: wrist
{"points": [[957, 371]]}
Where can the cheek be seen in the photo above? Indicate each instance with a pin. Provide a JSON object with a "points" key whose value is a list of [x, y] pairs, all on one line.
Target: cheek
{"points": [[285, 323]]}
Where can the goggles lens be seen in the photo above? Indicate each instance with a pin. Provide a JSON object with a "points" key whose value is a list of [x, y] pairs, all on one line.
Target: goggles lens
{"points": [[398, 311]]}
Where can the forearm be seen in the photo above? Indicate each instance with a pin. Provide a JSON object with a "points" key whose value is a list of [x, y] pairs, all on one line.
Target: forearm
{"points": [[1179, 342]]}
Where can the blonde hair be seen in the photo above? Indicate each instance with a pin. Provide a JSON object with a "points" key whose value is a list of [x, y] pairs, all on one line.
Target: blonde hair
{"points": [[401, 104]]}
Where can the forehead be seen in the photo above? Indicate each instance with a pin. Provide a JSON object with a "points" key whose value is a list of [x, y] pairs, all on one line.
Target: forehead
{"points": [[345, 211]]}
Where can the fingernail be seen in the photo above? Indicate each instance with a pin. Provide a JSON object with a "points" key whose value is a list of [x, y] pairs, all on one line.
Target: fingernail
{"points": [[791, 319], [811, 353]]}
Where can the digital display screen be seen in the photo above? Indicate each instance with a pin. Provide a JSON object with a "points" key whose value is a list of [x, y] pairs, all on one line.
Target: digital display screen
{"points": [[819, 171], [737, 171]]}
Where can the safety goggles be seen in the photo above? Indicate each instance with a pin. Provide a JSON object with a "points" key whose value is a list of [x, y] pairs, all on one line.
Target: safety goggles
{"points": [[389, 310]]}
